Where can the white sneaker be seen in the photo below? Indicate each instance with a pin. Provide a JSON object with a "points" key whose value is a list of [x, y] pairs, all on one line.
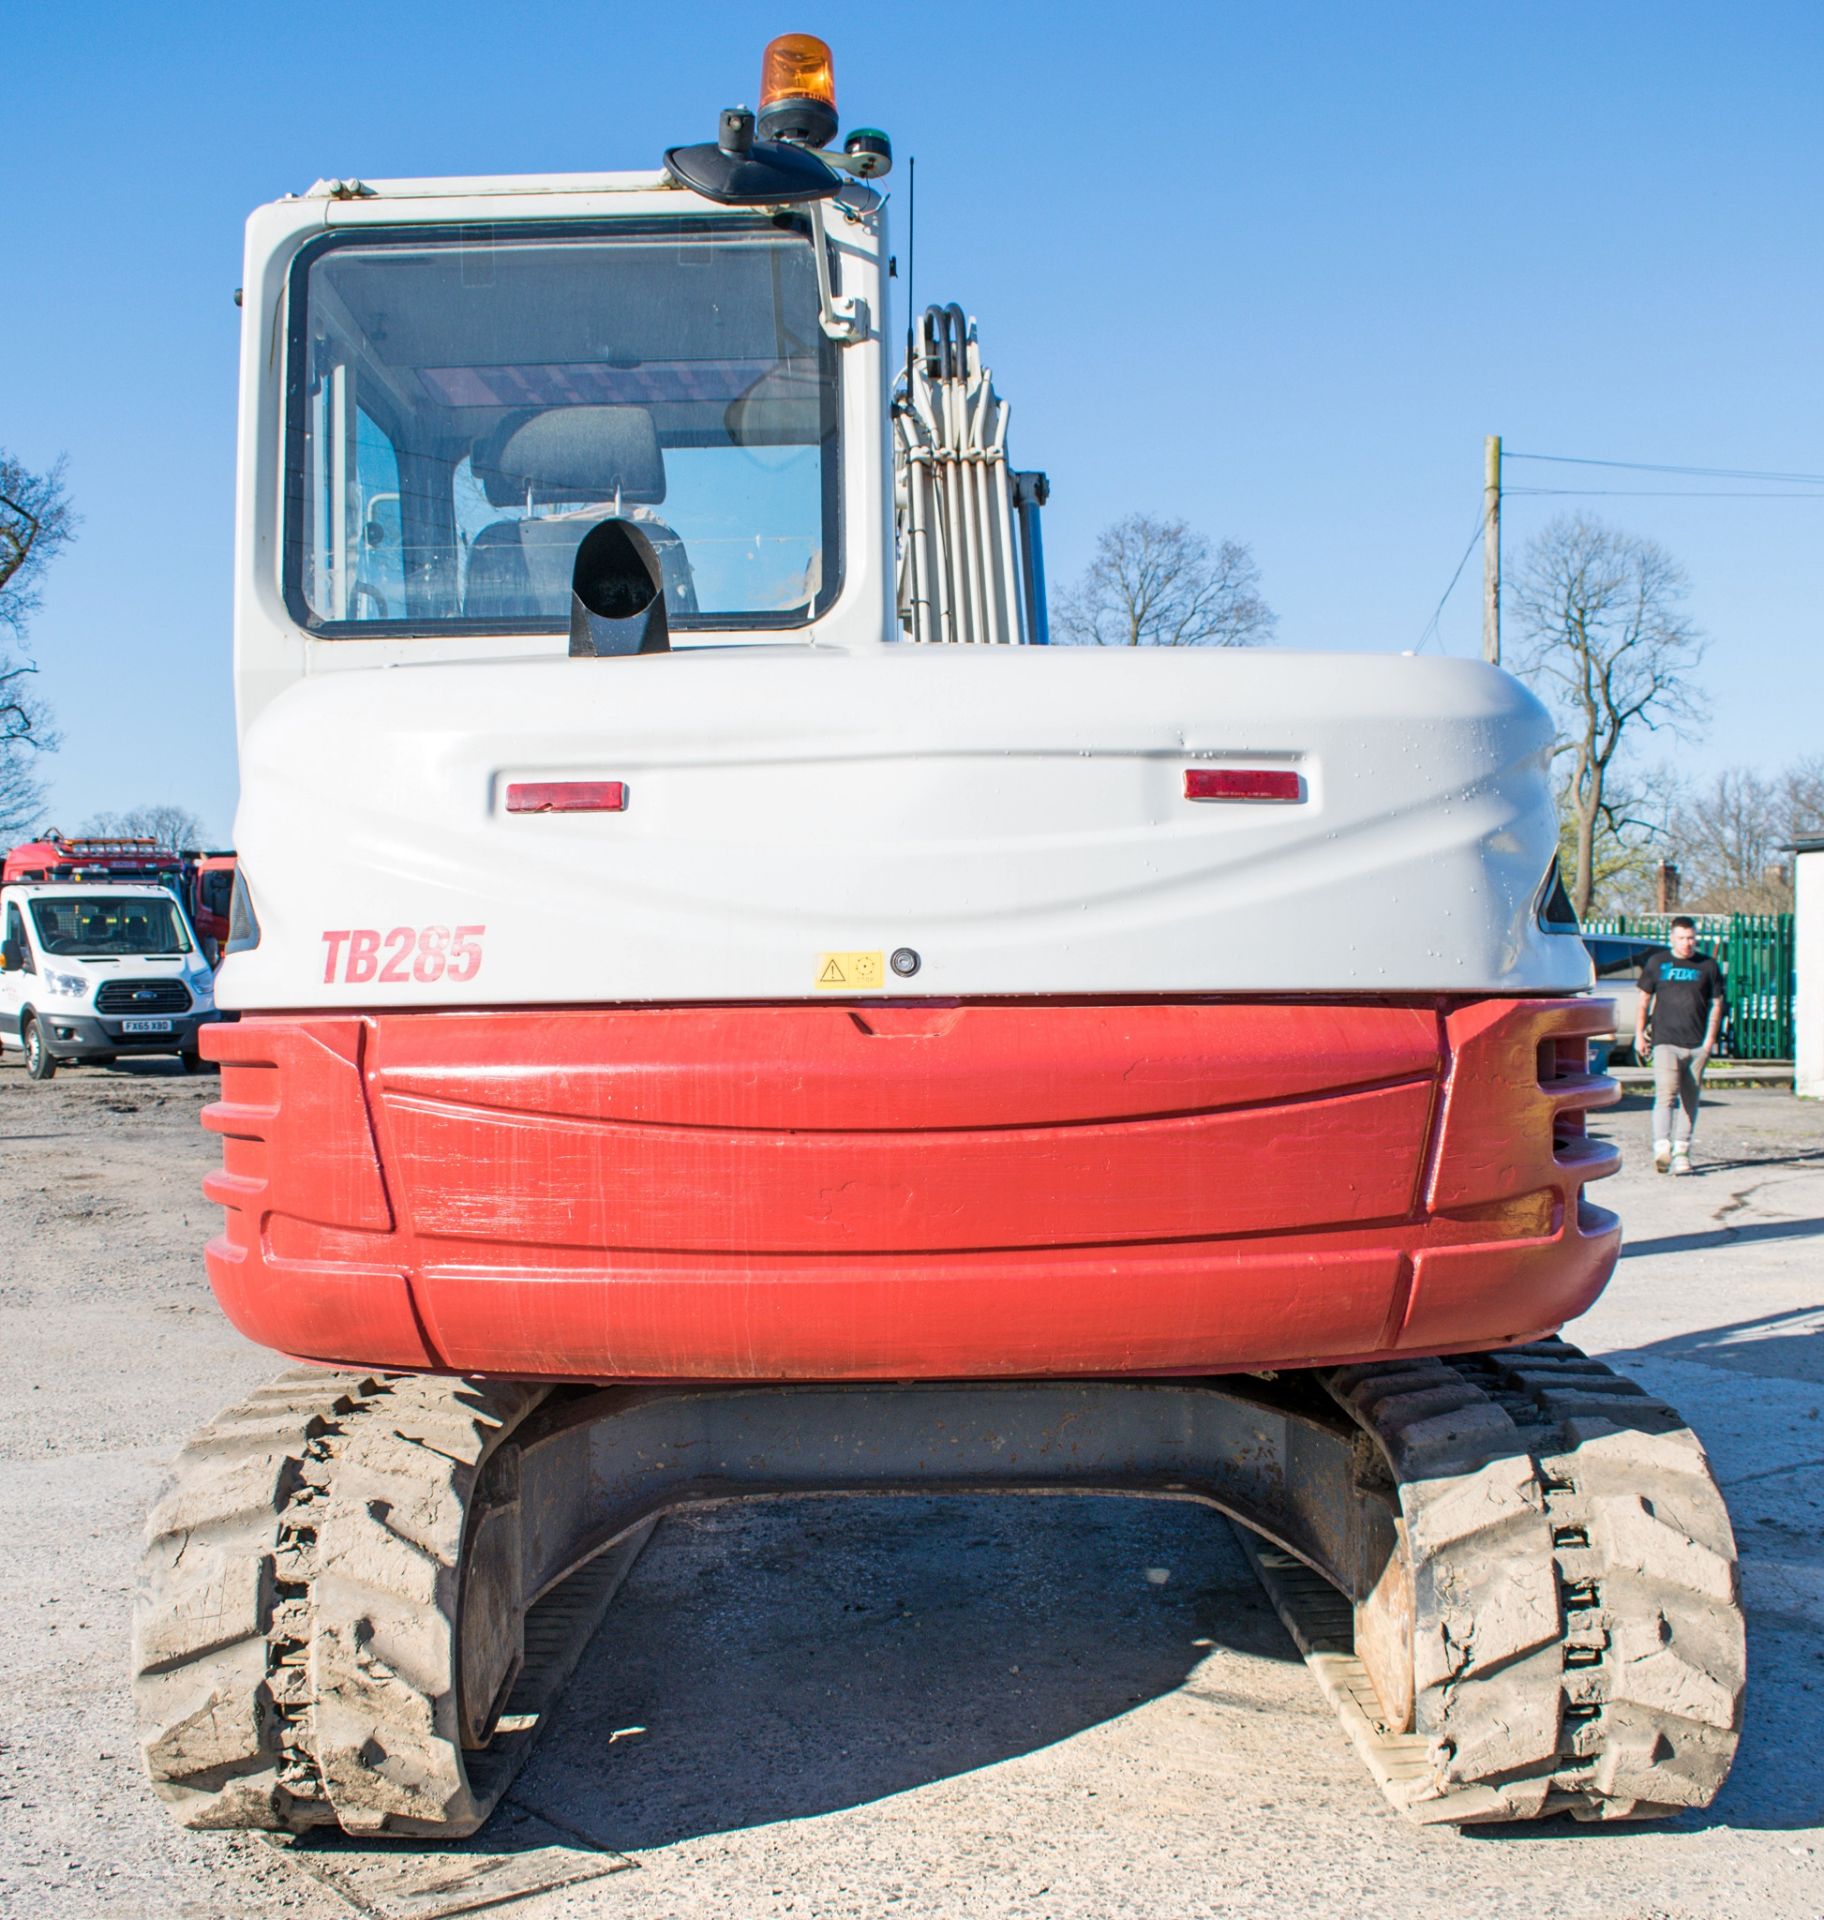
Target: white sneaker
{"points": [[1662, 1155], [1681, 1162]]}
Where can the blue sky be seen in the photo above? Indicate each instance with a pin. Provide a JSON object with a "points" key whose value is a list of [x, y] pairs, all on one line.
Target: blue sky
{"points": [[1273, 269]]}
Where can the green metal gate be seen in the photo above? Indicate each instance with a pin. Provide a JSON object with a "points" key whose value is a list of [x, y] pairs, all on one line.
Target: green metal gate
{"points": [[1755, 953]]}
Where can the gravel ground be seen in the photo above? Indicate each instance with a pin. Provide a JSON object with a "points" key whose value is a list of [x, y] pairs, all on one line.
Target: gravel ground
{"points": [[970, 1707]]}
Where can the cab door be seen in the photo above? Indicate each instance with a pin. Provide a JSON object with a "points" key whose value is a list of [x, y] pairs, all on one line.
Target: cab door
{"points": [[15, 974]]}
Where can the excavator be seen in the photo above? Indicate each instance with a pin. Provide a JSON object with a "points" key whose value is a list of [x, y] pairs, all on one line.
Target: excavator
{"points": [[728, 1011]]}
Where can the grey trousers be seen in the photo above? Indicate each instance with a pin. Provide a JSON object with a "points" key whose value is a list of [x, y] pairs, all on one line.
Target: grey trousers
{"points": [[1675, 1083]]}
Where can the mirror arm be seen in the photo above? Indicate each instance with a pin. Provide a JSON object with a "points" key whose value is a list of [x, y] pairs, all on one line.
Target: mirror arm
{"points": [[844, 315]]}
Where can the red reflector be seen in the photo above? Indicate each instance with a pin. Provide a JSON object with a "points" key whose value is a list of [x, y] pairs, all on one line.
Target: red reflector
{"points": [[1239, 783], [567, 796]]}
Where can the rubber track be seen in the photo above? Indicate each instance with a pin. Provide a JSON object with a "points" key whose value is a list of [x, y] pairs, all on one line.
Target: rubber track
{"points": [[1655, 1650], [1577, 1640], [220, 1620], [294, 1634], [384, 1655]]}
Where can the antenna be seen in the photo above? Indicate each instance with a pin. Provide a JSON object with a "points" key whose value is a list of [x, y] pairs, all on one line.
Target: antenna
{"points": [[911, 264]]}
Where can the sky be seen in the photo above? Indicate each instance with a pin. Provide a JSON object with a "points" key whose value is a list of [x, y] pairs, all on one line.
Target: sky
{"points": [[1274, 270]]}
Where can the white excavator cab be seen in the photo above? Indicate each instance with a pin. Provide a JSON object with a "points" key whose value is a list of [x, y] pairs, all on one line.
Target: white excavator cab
{"points": [[446, 384]]}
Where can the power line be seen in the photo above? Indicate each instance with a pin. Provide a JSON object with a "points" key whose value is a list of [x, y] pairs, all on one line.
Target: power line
{"points": [[1655, 493], [1431, 625], [1701, 473], [1770, 484]]}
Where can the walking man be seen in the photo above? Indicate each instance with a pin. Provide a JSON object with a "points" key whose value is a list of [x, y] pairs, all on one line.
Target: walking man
{"points": [[1682, 997]]}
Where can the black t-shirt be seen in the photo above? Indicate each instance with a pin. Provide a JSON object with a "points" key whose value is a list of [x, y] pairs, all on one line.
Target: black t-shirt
{"points": [[1683, 992]]}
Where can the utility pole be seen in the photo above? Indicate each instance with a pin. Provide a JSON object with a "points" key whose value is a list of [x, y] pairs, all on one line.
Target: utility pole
{"points": [[1491, 549]]}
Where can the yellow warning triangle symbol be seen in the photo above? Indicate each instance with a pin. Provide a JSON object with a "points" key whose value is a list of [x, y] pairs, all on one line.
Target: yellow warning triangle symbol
{"points": [[831, 976]]}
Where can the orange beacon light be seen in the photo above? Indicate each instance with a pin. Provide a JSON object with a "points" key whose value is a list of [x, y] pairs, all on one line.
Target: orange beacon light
{"points": [[798, 91]]}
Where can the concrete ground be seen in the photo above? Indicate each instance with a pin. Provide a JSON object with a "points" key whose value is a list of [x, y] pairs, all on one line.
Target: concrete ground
{"points": [[973, 1707]]}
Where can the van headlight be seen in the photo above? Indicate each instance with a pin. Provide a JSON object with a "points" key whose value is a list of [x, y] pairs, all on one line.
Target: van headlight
{"points": [[72, 986]]}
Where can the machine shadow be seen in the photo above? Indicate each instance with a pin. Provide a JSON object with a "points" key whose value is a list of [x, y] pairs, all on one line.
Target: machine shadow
{"points": [[152, 1066], [1723, 1236], [777, 1660], [1788, 1345]]}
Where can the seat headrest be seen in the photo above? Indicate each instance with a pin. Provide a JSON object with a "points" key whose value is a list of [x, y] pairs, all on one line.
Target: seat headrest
{"points": [[571, 453]]}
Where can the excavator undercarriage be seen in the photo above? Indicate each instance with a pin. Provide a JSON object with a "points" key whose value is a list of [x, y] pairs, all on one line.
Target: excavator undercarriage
{"points": [[1512, 1571]]}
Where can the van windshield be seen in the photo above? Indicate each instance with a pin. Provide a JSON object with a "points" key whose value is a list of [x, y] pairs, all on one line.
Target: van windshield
{"points": [[465, 403], [108, 926]]}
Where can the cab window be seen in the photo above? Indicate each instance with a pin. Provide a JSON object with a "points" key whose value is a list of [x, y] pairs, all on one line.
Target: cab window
{"points": [[215, 891], [464, 404], [15, 939], [109, 926], [379, 545]]}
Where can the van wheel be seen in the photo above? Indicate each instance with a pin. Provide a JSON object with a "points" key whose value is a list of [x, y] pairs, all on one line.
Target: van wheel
{"points": [[193, 1061], [40, 1063]]}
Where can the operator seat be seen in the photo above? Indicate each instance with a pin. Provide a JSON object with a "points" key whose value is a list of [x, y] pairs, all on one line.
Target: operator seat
{"points": [[520, 568]]}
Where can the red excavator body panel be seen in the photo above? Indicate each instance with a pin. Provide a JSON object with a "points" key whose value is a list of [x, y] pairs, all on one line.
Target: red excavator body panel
{"points": [[869, 1191]]}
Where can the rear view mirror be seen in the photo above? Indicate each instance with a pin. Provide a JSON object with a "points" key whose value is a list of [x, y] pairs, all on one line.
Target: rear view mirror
{"points": [[12, 955]]}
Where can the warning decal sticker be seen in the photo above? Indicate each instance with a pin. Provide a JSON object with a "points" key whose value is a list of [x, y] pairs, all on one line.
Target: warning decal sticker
{"points": [[850, 972]]}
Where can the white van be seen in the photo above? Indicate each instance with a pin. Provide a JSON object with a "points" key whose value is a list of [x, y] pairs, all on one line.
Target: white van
{"points": [[92, 970]]}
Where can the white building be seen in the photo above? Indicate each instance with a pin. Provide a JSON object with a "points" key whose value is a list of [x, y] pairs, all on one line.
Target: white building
{"points": [[1808, 1009]]}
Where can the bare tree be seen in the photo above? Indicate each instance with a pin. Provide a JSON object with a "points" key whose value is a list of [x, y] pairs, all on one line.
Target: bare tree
{"points": [[1155, 583], [25, 733], [35, 521], [1604, 640], [1635, 831], [171, 826], [1729, 838], [1802, 798]]}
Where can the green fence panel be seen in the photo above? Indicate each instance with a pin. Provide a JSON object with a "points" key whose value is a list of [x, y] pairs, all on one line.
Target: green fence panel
{"points": [[1755, 951], [1760, 970]]}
